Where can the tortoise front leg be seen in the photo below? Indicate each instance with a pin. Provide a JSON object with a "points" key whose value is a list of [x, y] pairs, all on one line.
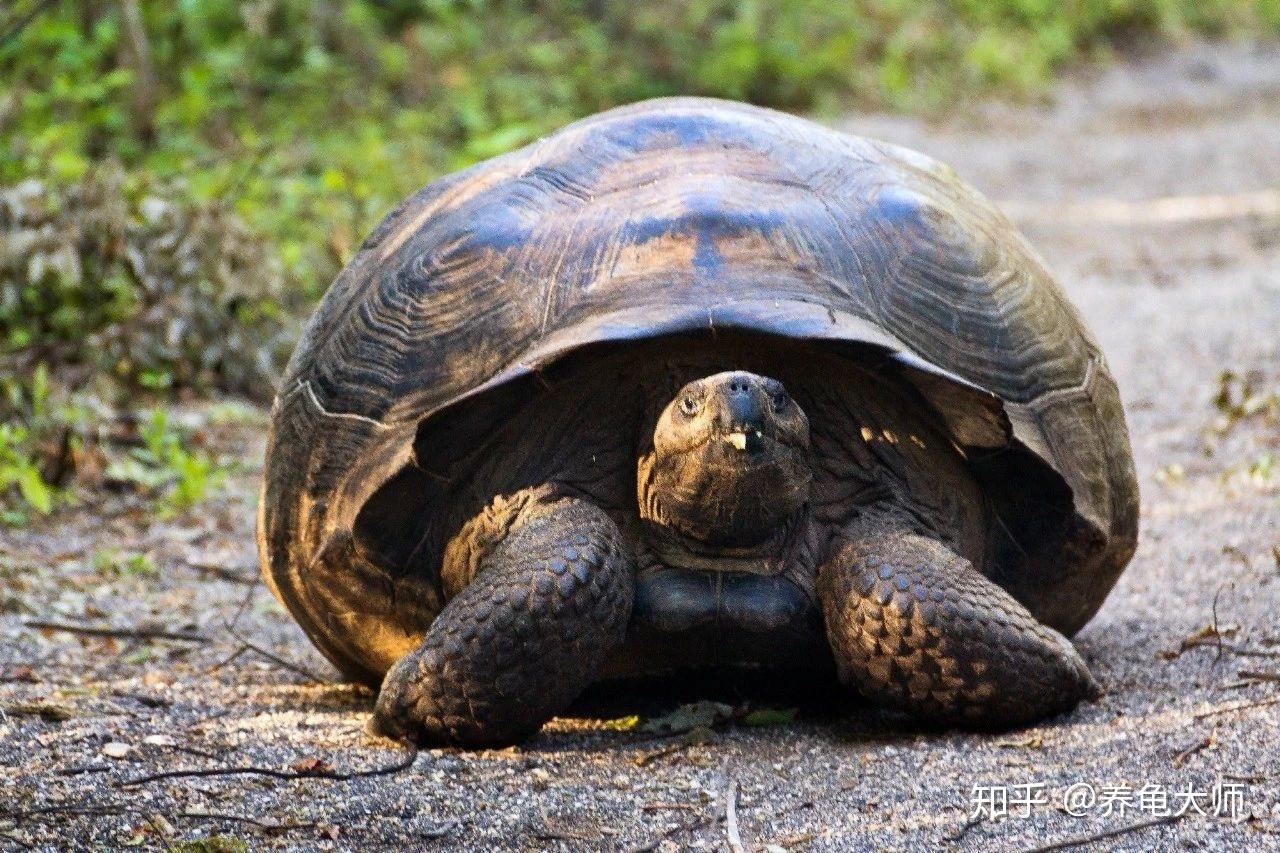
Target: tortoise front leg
{"points": [[915, 627], [550, 597]]}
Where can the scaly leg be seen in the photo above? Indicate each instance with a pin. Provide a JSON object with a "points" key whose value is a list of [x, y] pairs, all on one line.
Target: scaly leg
{"points": [[550, 597], [916, 627]]}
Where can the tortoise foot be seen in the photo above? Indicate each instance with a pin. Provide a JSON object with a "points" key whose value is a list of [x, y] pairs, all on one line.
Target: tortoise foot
{"points": [[915, 627], [521, 640]]}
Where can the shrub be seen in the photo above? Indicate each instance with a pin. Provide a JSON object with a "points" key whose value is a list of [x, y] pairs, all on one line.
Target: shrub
{"points": [[138, 283]]}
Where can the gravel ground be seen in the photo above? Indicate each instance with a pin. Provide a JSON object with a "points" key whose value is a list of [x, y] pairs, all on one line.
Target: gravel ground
{"points": [[1110, 181]]}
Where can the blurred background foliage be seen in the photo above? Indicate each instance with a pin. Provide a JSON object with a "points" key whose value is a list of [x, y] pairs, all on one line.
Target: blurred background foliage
{"points": [[180, 181]]}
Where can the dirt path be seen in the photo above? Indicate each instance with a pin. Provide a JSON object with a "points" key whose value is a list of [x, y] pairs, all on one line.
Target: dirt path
{"points": [[1178, 291]]}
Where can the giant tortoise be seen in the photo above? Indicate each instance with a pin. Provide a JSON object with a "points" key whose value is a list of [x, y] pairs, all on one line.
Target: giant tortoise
{"points": [[696, 384]]}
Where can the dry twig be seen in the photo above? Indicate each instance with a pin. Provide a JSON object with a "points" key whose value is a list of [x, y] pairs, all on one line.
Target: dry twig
{"points": [[731, 832], [82, 809], [1258, 675], [317, 773], [1083, 840], [110, 631], [1243, 706], [653, 755], [1229, 648], [279, 661], [248, 645], [1191, 750], [679, 829], [222, 573]]}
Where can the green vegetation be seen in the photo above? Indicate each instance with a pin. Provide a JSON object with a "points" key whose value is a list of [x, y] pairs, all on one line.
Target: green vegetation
{"points": [[179, 181], [52, 440], [163, 467], [39, 436], [113, 563]]}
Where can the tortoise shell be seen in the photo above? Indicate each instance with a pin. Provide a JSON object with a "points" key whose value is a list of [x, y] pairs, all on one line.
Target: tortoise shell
{"points": [[681, 217]]}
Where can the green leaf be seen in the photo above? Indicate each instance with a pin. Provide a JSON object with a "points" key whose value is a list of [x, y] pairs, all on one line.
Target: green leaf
{"points": [[622, 724], [770, 717], [704, 714], [34, 490]]}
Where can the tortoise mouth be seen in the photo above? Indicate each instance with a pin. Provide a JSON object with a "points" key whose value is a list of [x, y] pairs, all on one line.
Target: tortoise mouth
{"points": [[740, 450], [751, 437], [745, 440], [745, 445]]}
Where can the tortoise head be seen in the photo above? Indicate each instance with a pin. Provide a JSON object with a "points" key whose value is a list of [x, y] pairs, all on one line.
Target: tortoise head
{"points": [[730, 460]]}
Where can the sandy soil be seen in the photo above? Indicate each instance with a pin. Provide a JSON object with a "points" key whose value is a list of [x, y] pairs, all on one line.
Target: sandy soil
{"points": [[1179, 290]]}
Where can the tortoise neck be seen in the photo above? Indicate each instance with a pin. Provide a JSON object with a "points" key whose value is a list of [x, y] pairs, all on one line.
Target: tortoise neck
{"points": [[689, 534], [772, 556]]}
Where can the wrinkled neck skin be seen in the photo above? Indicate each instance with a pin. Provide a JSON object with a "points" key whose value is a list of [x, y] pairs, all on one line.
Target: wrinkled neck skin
{"points": [[703, 505], [682, 551]]}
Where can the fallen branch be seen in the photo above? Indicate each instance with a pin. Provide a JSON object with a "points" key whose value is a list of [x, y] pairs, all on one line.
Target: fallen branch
{"points": [[679, 829], [279, 661], [50, 712], [699, 824], [1230, 648], [83, 810], [109, 631], [1243, 706], [965, 828], [653, 755], [230, 625], [222, 573], [1181, 757], [1258, 675], [227, 660], [731, 831], [72, 810], [1082, 840], [316, 773], [551, 833]]}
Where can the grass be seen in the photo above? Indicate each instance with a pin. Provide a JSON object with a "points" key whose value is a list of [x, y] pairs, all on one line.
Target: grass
{"points": [[243, 149]]}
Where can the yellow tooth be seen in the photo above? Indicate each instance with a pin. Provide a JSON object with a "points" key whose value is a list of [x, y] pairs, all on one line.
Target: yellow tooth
{"points": [[737, 439]]}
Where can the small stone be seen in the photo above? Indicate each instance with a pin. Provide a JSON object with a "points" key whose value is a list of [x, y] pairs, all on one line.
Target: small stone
{"points": [[116, 749]]}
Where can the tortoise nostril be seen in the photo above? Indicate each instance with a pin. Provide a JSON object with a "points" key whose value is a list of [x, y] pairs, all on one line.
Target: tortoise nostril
{"points": [[744, 411]]}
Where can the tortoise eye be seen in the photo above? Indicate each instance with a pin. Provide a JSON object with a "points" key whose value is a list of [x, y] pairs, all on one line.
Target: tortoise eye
{"points": [[689, 406]]}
